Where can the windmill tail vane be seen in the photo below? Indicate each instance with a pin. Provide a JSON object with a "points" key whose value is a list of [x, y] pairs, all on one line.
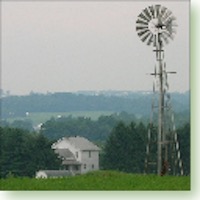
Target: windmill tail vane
{"points": [[156, 26]]}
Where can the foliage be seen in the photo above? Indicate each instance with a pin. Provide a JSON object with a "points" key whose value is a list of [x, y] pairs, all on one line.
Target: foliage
{"points": [[23, 153], [125, 148], [99, 180], [184, 140], [98, 130], [21, 124]]}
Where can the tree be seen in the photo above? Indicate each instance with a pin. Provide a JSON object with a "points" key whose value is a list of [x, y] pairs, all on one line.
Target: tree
{"points": [[125, 148], [13, 151], [23, 153], [22, 124], [43, 156]]}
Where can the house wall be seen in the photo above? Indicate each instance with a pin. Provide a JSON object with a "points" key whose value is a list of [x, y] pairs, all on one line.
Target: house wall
{"points": [[90, 161]]}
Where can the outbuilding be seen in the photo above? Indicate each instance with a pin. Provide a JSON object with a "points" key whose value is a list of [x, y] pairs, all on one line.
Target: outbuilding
{"points": [[53, 173]]}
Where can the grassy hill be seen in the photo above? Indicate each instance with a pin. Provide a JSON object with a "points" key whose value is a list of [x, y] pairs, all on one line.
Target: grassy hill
{"points": [[99, 180]]}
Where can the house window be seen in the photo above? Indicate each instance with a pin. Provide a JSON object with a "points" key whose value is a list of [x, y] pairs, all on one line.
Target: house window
{"points": [[84, 166], [92, 166], [76, 167], [76, 154], [90, 154]]}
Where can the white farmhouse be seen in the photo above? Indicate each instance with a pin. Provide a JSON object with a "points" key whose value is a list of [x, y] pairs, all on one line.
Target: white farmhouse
{"points": [[78, 154]]}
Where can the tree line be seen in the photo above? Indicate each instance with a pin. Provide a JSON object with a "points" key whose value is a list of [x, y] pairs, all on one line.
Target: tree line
{"points": [[136, 102], [23, 152], [125, 148], [94, 130]]}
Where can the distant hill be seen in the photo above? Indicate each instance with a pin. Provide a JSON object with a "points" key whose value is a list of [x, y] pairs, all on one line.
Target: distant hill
{"points": [[137, 103]]}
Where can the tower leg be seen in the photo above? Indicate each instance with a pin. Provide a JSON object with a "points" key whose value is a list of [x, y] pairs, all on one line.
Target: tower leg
{"points": [[160, 107]]}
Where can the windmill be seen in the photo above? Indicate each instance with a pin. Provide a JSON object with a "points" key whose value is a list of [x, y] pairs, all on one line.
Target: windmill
{"points": [[156, 26]]}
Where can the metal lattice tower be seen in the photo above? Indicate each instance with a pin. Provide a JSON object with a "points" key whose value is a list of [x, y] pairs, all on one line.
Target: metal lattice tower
{"points": [[156, 26]]}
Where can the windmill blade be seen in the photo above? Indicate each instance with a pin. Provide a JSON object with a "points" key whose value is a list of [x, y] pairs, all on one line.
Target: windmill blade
{"points": [[171, 36], [146, 36], [174, 31], [138, 28], [141, 25], [163, 11], [168, 13], [147, 14], [167, 35], [165, 38], [160, 17], [150, 40], [172, 18], [173, 25], [143, 17], [152, 10], [157, 10], [141, 22], [150, 13], [143, 32], [169, 25]]}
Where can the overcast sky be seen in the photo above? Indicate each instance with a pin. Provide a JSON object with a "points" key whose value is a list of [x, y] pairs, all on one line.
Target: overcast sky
{"points": [[69, 46]]}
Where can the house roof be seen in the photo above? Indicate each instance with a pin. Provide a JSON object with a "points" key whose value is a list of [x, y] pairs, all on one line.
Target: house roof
{"points": [[78, 142], [67, 157], [82, 143], [65, 153]]}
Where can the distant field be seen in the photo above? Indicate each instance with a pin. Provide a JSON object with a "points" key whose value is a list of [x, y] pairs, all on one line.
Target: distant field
{"points": [[100, 180], [41, 117]]}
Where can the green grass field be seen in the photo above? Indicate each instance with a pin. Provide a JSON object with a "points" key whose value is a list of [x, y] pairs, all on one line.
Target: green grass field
{"points": [[100, 180]]}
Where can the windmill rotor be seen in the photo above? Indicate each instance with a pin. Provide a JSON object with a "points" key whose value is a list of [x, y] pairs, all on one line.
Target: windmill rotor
{"points": [[156, 21]]}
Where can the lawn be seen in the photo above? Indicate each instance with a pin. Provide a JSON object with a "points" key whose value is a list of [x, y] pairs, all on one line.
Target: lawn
{"points": [[100, 180]]}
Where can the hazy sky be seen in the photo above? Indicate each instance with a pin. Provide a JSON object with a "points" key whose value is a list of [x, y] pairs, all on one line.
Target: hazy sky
{"points": [[83, 45]]}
